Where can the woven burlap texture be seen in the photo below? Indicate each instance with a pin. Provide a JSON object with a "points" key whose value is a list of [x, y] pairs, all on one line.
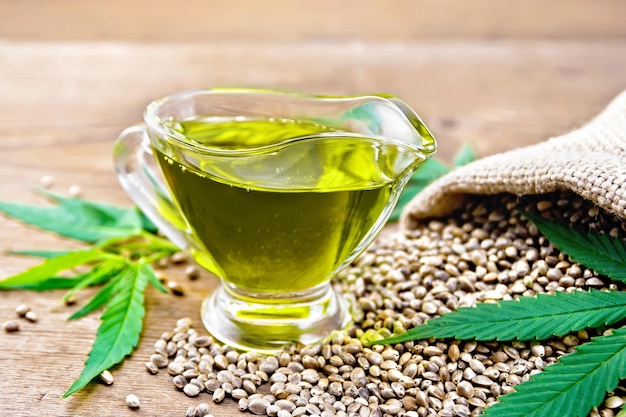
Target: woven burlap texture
{"points": [[590, 161]]}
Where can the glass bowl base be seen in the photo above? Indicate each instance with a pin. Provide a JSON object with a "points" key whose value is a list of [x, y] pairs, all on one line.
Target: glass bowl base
{"points": [[245, 323]]}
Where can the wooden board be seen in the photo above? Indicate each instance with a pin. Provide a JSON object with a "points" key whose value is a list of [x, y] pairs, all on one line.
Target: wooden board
{"points": [[74, 74], [304, 20]]}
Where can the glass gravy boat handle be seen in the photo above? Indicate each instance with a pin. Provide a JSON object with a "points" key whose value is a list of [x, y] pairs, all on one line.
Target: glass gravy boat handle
{"points": [[141, 179]]}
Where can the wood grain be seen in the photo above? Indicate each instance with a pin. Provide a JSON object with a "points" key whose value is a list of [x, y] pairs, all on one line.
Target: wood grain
{"points": [[73, 74], [495, 95], [305, 20]]}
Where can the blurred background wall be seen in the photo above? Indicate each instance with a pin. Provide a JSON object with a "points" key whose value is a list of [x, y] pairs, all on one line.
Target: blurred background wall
{"points": [[493, 73]]}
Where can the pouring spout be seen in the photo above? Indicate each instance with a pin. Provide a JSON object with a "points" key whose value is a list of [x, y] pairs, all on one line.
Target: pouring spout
{"points": [[419, 132]]}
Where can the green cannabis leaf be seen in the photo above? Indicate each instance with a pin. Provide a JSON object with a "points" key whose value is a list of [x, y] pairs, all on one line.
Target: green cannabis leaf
{"points": [[51, 266], [464, 156], [427, 173], [572, 386], [97, 301], [39, 253], [120, 326], [599, 252], [103, 272], [580, 379], [527, 318], [80, 219], [123, 244]]}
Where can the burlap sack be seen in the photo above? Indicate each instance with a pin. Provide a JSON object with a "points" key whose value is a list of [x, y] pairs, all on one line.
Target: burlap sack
{"points": [[590, 161]]}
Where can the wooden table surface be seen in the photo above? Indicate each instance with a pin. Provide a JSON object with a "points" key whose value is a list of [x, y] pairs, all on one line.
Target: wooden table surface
{"points": [[73, 74]]}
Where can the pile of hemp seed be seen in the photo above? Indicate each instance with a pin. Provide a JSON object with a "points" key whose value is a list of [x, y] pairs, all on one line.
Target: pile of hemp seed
{"points": [[485, 253]]}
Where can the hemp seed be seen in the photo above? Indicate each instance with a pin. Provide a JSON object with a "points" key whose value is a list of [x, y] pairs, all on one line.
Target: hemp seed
{"points": [[258, 405], [203, 410], [106, 377], [485, 253], [21, 310], [46, 181], [11, 326], [219, 395], [31, 316], [132, 401], [75, 190], [191, 390], [175, 288], [192, 273], [152, 368], [179, 258]]}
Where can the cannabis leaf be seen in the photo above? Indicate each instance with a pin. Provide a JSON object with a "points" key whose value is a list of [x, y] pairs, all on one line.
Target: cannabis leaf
{"points": [[39, 253], [120, 326], [427, 173], [52, 266], [464, 156], [80, 219], [599, 252], [103, 272], [123, 246], [527, 318], [572, 386], [97, 301], [53, 283], [579, 380]]}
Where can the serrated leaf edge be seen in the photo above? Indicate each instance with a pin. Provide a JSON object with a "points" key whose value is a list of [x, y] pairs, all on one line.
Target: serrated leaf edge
{"points": [[567, 312], [590, 377], [609, 253], [115, 351], [48, 268]]}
